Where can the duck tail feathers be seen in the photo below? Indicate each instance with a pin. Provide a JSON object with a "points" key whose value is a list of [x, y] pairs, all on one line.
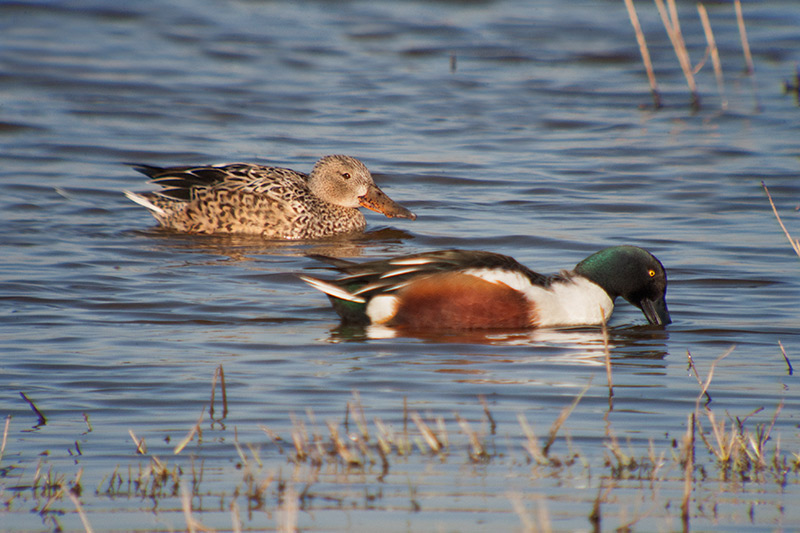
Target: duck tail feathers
{"points": [[144, 202], [332, 290]]}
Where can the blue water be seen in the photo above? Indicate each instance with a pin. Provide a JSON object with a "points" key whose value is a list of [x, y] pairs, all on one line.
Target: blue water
{"points": [[516, 127]]}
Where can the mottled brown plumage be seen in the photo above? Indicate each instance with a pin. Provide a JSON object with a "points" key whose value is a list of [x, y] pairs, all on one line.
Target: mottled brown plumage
{"points": [[277, 203]]}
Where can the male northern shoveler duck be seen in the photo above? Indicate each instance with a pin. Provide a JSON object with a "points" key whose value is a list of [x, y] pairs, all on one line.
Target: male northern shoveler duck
{"points": [[277, 203], [462, 289]]}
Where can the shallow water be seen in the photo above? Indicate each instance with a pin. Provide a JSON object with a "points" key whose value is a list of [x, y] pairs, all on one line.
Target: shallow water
{"points": [[518, 128]]}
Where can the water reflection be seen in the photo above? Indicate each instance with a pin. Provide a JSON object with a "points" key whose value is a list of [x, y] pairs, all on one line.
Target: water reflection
{"points": [[243, 247], [587, 340]]}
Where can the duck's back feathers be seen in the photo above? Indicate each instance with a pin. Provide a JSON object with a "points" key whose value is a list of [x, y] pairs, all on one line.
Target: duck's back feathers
{"points": [[454, 289], [416, 265]]}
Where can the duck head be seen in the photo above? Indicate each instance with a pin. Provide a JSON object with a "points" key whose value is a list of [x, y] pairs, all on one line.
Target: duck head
{"points": [[346, 181], [632, 273]]}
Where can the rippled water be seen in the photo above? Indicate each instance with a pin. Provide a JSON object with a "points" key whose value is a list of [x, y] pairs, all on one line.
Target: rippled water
{"points": [[522, 128]]}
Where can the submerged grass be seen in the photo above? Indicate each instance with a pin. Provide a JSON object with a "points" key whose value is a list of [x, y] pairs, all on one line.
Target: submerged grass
{"points": [[329, 464]]}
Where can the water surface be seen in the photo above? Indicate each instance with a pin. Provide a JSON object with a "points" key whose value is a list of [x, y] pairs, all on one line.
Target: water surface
{"points": [[520, 128]]}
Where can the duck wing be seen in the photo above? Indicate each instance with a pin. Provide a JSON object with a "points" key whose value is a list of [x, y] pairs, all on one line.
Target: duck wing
{"points": [[392, 274], [179, 182]]}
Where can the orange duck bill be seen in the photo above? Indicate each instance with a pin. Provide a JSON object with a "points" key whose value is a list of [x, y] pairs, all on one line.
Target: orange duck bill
{"points": [[376, 200]]}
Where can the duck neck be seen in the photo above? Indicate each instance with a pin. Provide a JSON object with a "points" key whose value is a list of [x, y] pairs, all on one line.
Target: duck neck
{"points": [[609, 268]]}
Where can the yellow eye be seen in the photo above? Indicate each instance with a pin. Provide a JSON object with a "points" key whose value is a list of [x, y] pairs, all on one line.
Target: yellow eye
{"points": [[651, 273]]}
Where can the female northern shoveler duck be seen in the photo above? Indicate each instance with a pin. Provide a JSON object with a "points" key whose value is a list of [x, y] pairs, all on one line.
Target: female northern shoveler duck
{"points": [[277, 203], [461, 289]]}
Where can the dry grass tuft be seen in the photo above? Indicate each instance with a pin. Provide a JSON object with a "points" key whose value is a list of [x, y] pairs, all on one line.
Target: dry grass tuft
{"points": [[323, 467]]}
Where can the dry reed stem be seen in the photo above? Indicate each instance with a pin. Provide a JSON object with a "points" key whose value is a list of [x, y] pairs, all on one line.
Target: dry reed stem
{"points": [[219, 372], [724, 450], [443, 437], [492, 423], [299, 437], [316, 437], [478, 451], [696, 375], [427, 434], [794, 242], [254, 453], [748, 58], [607, 361], [213, 391], [648, 64], [757, 445], [341, 448], [562, 417], [688, 448], [363, 447], [288, 511], [79, 509], [5, 437], [53, 497], [189, 436], [624, 460], [785, 358], [672, 25], [596, 516], [192, 524], [532, 443], [656, 462], [141, 447], [405, 415], [186, 505], [239, 450], [236, 522], [543, 516], [707, 383], [384, 437], [359, 418], [272, 435], [528, 524], [712, 45], [42, 419], [78, 478]]}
